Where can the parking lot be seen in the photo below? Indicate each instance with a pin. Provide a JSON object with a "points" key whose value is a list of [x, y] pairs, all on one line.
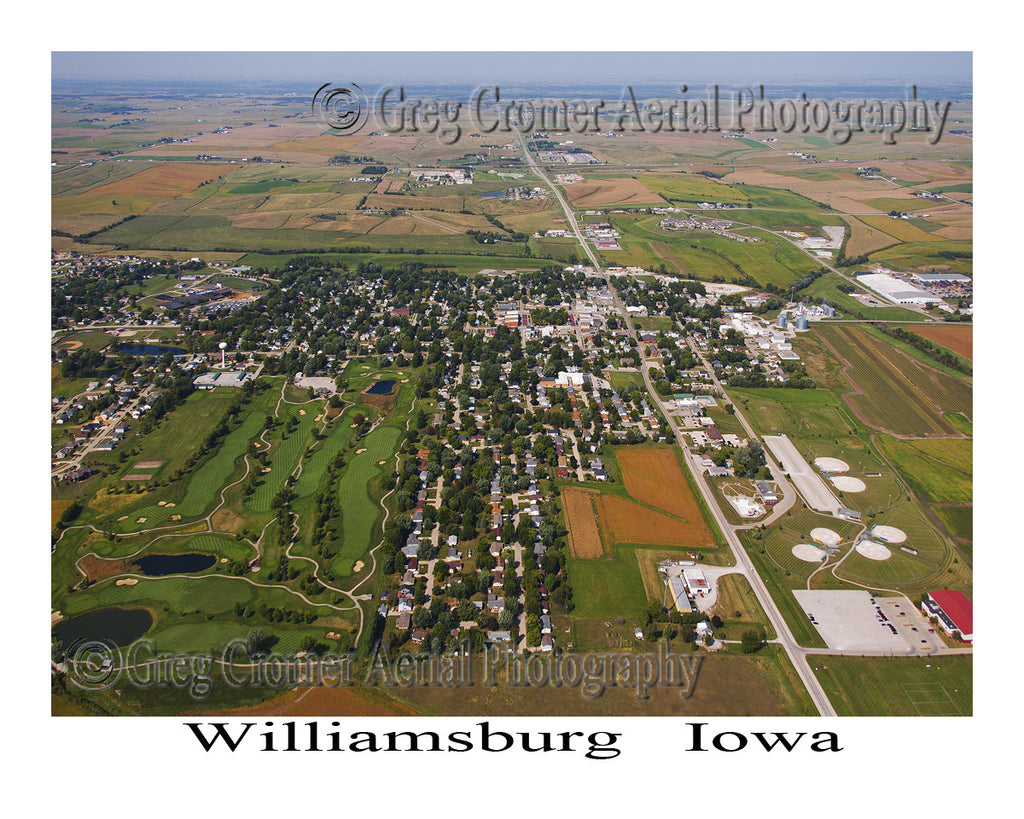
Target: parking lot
{"points": [[855, 620]]}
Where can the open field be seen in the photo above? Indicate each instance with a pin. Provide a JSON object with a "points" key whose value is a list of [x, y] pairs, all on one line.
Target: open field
{"points": [[898, 686], [608, 588]]}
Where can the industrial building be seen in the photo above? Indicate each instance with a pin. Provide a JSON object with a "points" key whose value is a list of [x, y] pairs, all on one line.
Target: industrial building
{"points": [[896, 290], [954, 611]]}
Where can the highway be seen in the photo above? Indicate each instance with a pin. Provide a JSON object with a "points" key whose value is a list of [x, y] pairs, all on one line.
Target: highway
{"points": [[797, 655]]}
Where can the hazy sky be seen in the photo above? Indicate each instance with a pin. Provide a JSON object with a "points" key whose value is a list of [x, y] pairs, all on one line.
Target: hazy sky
{"points": [[901, 67]]}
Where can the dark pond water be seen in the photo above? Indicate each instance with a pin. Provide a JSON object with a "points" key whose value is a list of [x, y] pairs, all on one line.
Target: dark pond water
{"points": [[381, 388], [493, 195], [149, 349], [122, 626], [160, 565]]}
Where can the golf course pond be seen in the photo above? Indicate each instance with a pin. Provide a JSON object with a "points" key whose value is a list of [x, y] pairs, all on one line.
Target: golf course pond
{"points": [[382, 387], [161, 565], [119, 626]]}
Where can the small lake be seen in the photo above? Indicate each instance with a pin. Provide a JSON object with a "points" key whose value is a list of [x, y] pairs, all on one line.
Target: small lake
{"points": [[493, 195], [122, 626], [149, 349], [381, 388], [160, 565]]}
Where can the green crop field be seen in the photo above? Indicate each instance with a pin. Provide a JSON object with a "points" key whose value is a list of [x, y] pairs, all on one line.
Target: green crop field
{"points": [[891, 391], [898, 686], [694, 188], [925, 256], [939, 471], [706, 255]]}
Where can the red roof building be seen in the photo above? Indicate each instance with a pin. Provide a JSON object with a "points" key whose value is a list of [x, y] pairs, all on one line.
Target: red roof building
{"points": [[954, 611]]}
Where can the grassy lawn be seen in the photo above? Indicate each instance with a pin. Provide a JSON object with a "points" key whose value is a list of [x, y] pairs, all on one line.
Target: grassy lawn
{"points": [[897, 686]]}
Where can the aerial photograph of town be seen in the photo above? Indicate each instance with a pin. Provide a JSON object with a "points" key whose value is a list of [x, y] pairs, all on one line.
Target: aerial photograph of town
{"points": [[452, 394]]}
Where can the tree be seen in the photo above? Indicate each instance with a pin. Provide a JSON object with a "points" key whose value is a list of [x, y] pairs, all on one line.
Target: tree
{"points": [[750, 642]]}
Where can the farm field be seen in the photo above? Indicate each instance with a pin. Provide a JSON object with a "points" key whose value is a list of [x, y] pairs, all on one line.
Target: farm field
{"points": [[959, 339], [594, 193], [581, 521], [892, 392], [656, 477], [939, 470]]}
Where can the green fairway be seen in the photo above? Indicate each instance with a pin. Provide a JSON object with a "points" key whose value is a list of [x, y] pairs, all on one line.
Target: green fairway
{"points": [[898, 686]]}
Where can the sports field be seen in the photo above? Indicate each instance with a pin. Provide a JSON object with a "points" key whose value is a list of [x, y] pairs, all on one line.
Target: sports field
{"points": [[898, 686]]}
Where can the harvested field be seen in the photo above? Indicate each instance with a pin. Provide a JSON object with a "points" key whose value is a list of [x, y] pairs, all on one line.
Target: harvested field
{"points": [[581, 521], [959, 339], [169, 179], [626, 521], [655, 476], [600, 192]]}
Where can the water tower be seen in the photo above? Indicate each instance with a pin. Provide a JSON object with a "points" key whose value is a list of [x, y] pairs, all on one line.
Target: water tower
{"points": [[223, 346]]}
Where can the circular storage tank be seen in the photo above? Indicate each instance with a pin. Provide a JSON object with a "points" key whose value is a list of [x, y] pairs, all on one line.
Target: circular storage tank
{"points": [[802, 323]]}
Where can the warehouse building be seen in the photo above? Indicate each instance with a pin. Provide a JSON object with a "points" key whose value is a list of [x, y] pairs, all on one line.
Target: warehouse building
{"points": [[954, 611]]}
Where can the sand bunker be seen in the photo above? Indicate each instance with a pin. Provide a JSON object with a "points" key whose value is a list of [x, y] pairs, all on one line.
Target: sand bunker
{"points": [[126, 581], [405, 380], [170, 505], [358, 567], [890, 534], [175, 517], [332, 635], [826, 536], [123, 517], [55, 617], [161, 503], [223, 560], [147, 464], [805, 551], [302, 412], [844, 483], [265, 469], [831, 464], [141, 520], [360, 451], [380, 463], [873, 551]]}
